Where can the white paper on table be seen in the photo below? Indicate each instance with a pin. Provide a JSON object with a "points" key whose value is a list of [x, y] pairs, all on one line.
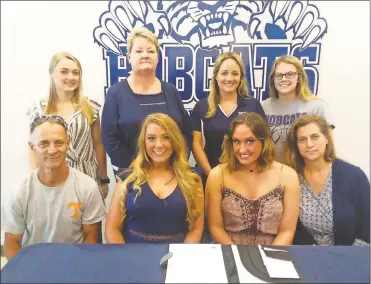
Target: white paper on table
{"points": [[243, 274], [278, 268], [196, 263]]}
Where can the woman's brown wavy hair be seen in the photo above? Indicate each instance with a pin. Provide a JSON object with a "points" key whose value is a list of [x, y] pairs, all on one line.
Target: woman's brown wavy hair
{"points": [[261, 131], [292, 156]]}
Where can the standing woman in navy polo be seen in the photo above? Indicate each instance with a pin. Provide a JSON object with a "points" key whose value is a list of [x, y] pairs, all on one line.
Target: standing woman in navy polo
{"points": [[129, 101], [212, 116]]}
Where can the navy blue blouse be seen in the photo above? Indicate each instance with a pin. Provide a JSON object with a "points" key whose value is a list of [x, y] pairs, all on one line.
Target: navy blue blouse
{"points": [[150, 219]]}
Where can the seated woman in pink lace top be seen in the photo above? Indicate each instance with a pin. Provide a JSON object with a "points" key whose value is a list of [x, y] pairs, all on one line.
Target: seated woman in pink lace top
{"points": [[251, 199]]}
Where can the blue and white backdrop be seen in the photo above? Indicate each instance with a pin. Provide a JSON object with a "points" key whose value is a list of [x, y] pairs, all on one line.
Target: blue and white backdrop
{"points": [[193, 33], [331, 38]]}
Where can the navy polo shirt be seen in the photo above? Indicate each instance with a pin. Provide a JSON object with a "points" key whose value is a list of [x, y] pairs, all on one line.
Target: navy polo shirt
{"points": [[214, 128]]}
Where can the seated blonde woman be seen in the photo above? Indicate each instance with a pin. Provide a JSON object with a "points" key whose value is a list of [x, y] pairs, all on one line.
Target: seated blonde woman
{"points": [[158, 199], [334, 194], [251, 199]]}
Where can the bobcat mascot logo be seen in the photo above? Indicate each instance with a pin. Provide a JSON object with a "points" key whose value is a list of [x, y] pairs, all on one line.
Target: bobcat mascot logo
{"points": [[197, 31]]}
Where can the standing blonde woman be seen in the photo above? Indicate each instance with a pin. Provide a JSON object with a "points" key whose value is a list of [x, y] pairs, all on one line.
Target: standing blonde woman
{"points": [[129, 101], [212, 116], [160, 200], [290, 97], [86, 152]]}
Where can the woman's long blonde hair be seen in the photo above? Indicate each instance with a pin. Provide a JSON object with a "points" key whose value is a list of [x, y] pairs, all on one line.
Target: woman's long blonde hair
{"points": [[214, 96], [77, 98], [302, 90], [189, 183]]}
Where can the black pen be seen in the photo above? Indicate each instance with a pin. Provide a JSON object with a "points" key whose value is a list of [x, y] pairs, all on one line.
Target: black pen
{"points": [[231, 263]]}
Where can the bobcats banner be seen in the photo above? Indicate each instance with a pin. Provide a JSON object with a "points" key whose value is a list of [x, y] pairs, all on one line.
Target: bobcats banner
{"points": [[193, 33]]}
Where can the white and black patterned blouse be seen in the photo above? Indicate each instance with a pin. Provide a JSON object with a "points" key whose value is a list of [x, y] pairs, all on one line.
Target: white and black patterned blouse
{"points": [[316, 211]]}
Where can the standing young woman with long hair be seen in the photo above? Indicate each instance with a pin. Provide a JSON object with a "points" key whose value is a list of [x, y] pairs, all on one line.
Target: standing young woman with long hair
{"points": [[86, 152], [290, 97]]}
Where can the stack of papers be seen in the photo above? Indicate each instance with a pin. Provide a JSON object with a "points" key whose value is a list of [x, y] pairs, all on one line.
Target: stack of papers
{"points": [[278, 268], [198, 263], [204, 263], [243, 274]]}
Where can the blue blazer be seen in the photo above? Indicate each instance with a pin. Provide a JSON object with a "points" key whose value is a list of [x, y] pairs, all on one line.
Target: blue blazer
{"points": [[350, 206]]}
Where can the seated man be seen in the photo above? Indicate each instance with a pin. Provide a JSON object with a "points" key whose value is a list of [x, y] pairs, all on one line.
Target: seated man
{"points": [[55, 203]]}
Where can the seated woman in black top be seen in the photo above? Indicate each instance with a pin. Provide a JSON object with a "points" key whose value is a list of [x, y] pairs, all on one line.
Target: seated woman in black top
{"points": [[159, 199]]}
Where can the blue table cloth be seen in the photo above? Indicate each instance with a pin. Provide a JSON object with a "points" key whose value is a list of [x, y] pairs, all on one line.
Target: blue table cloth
{"points": [[140, 263]]}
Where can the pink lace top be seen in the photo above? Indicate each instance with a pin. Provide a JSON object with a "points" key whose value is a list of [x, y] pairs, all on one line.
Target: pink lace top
{"points": [[252, 221]]}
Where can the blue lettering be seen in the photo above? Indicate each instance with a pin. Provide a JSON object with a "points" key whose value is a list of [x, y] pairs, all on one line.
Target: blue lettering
{"points": [[204, 71], [245, 52], [286, 119], [293, 118], [190, 70], [271, 120], [264, 56], [309, 56], [279, 120], [178, 65], [118, 66]]}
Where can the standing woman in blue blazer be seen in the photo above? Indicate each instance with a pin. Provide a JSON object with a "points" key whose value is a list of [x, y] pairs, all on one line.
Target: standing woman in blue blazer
{"points": [[129, 101], [335, 195]]}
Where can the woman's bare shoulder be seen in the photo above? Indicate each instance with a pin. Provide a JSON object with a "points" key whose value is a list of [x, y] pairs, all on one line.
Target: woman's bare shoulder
{"points": [[288, 174], [216, 171]]}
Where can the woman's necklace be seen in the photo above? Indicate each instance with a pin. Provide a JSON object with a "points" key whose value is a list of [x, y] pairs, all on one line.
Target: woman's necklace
{"points": [[172, 177]]}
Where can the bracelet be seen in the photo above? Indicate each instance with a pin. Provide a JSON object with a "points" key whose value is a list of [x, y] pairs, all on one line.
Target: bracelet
{"points": [[104, 180]]}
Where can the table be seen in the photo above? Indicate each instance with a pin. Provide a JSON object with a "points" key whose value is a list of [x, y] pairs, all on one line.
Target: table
{"points": [[139, 263]]}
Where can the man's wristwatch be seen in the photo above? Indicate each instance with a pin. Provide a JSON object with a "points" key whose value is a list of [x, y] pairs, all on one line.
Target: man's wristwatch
{"points": [[104, 180]]}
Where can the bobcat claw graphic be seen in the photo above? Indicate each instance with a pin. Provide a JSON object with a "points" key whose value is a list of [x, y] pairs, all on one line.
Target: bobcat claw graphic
{"points": [[294, 20], [245, 12], [309, 27], [121, 17]]}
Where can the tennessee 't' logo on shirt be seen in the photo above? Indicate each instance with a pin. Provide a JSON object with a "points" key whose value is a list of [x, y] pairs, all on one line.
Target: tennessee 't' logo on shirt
{"points": [[76, 206]]}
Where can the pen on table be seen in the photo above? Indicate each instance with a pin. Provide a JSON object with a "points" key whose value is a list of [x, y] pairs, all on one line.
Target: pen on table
{"points": [[164, 260], [231, 263]]}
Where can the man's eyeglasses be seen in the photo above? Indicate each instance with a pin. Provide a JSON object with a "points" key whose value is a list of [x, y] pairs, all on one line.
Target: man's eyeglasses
{"points": [[43, 118], [288, 75]]}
